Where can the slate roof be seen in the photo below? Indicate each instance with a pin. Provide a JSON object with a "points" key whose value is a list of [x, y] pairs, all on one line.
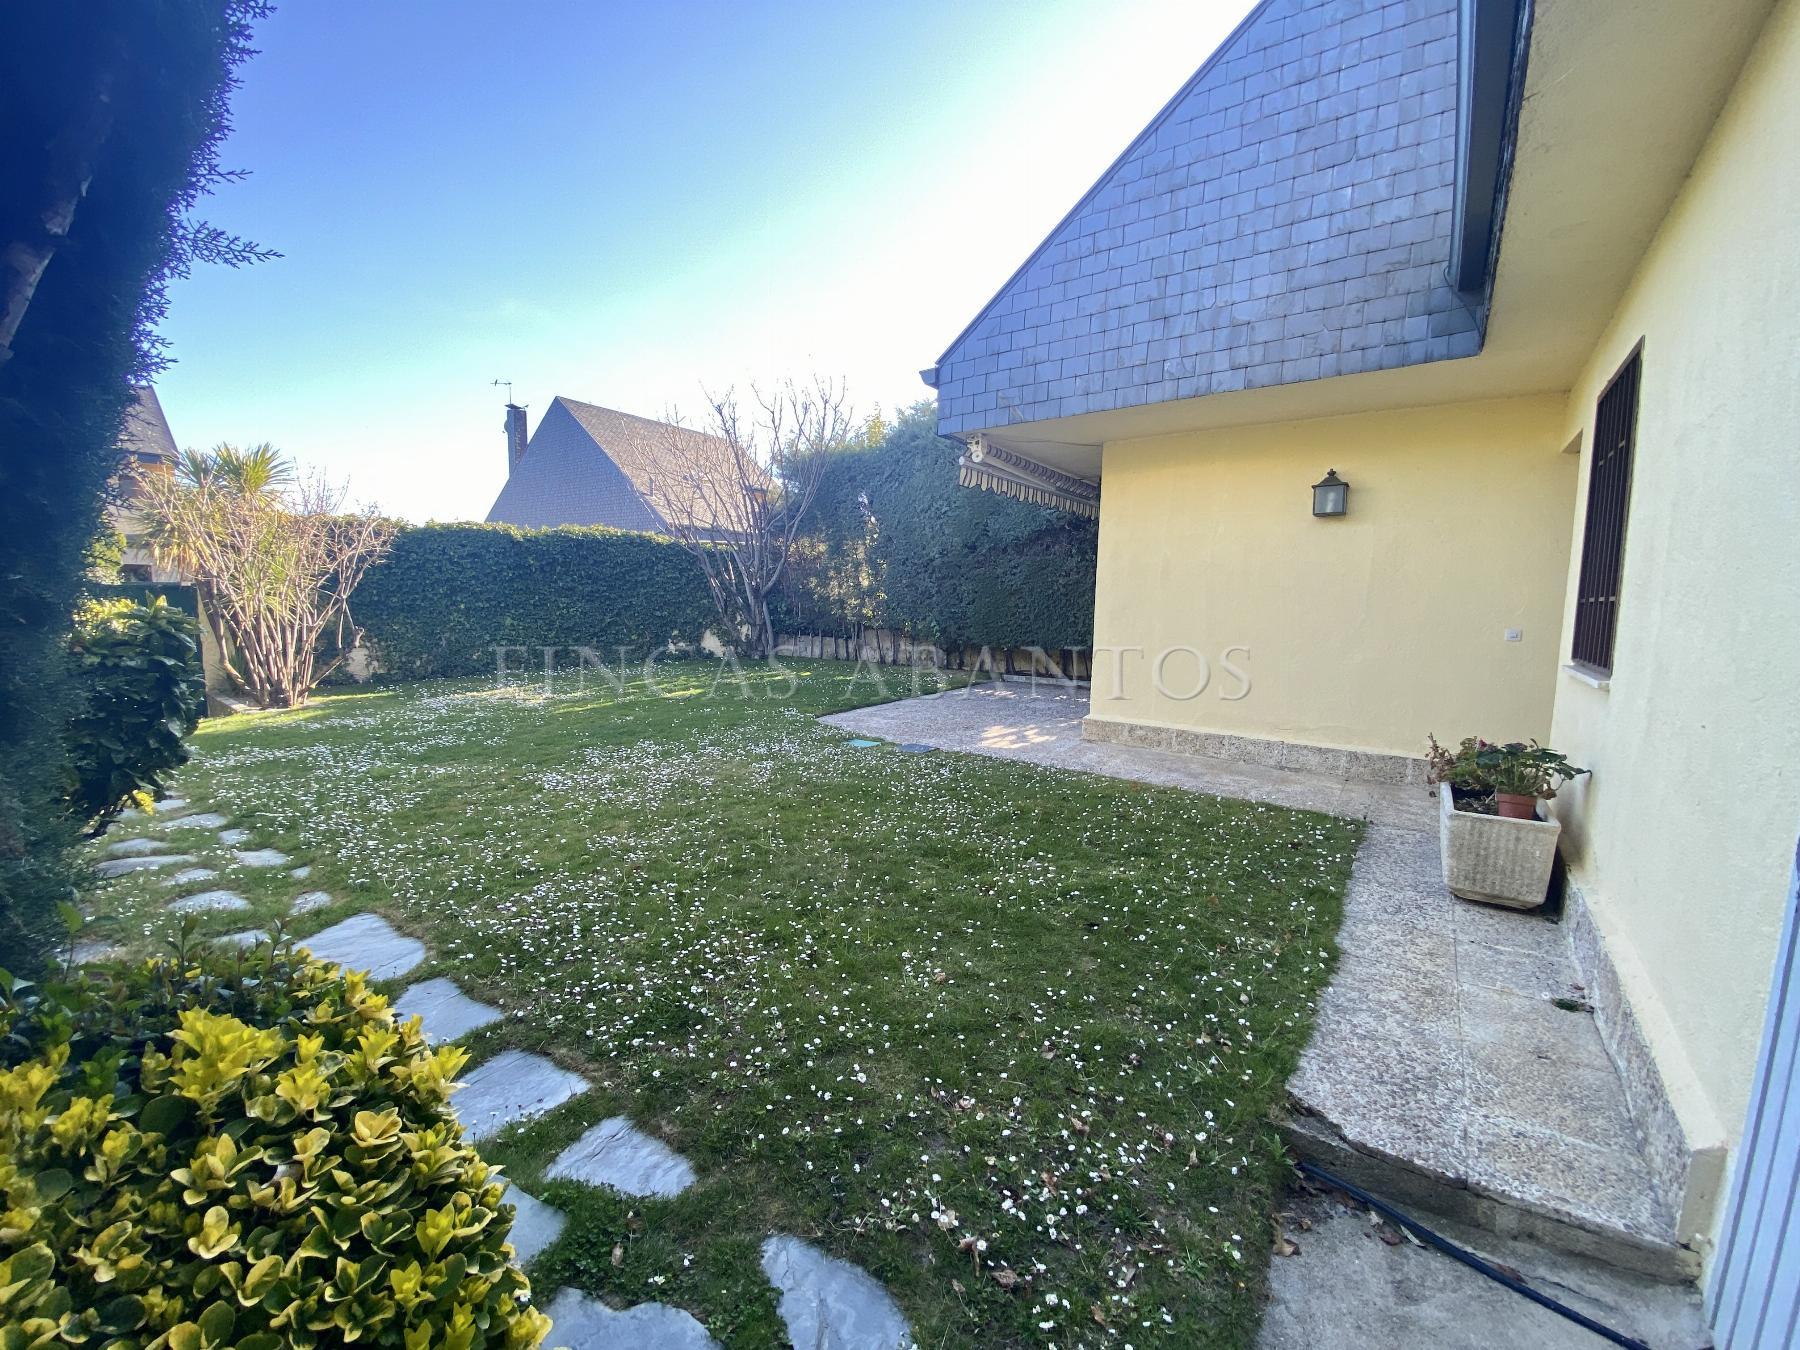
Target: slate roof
{"points": [[587, 465], [146, 430], [1287, 216]]}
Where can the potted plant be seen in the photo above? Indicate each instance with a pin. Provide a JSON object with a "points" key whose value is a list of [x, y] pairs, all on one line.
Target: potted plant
{"points": [[1495, 850]]}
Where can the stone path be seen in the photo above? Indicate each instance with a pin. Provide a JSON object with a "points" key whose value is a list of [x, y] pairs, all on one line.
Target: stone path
{"points": [[190, 875], [207, 902], [205, 820], [535, 1224], [616, 1153], [585, 1323], [826, 1303], [513, 1085], [366, 942], [448, 1014], [118, 867], [829, 1303]]}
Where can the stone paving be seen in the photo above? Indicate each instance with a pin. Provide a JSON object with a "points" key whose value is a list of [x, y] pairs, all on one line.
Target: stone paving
{"points": [[232, 838], [583, 1322], [1042, 725], [208, 902], [446, 1012], [118, 867], [308, 901], [535, 1224], [248, 938], [204, 820], [189, 875], [127, 848], [514, 1085], [366, 942], [262, 857], [830, 1303], [616, 1153]]}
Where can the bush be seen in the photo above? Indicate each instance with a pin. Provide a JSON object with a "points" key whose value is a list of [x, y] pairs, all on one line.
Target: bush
{"points": [[447, 595], [896, 542], [142, 692], [244, 1150]]}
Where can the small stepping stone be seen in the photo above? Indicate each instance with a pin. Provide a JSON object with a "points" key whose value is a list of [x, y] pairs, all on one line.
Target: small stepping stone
{"points": [[248, 938], [127, 848], [232, 838], [261, 857], [616, 1153], [582, 1322], [513, 1085], [191, 874], [448, 1013], [367, 942], [535, 1224], [118, 867], [311, 900], [301, 873], [829, 1303], [168, 806], [207, 902], [205, 820], [86, 953]]}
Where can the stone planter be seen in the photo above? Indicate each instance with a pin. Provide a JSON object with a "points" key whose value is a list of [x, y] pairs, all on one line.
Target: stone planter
{"points": [[1495, 860]]}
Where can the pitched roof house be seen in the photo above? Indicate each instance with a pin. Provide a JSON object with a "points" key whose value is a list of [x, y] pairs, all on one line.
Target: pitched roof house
{"points": [[1519, 272], [586, 465], [145, 445]]}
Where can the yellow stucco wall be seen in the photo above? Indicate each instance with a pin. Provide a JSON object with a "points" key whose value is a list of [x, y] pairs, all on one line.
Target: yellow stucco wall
{"points": [[1683, 838], [1364, 632]]}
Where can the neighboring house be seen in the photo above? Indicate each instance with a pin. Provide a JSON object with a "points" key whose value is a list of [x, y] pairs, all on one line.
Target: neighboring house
{"points": [[147, 446], [1523, 275], [586, 465]]}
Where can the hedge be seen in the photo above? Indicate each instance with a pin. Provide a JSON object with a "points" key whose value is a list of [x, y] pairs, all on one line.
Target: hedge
{"points": [[448, 595], [896, 542]]}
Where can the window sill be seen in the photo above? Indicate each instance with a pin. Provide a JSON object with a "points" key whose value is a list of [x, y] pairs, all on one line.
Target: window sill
{"points": [[1593, 679]]}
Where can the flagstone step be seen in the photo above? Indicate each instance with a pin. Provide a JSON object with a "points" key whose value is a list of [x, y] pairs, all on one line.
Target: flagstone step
{"points": [[535, 1224], [366, 942], [249, 937], [582, 1322], [616, 1153], [118, 867], [513, 1085], [309, 901], [448, 1013], [262, 857], [232, 838], [129, 848], [204, 820], [187, 876], [206, 902], [830, 1303]]}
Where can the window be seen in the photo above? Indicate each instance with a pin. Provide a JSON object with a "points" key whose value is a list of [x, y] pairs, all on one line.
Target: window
{"points": [[1609, 499]]}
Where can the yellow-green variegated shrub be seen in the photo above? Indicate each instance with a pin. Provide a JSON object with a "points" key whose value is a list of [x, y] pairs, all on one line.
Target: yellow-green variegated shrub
{"points": [[240, 1150]]}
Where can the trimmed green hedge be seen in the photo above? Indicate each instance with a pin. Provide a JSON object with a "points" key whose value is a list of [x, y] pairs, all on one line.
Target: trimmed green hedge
{"points": [[447, 595]]}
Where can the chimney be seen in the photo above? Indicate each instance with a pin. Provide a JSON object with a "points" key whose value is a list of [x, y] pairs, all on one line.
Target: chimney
{"points": [[515, 436]]}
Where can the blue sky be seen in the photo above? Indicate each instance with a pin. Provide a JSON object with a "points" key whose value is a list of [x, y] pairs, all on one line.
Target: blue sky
{"points": [[622, 202]]}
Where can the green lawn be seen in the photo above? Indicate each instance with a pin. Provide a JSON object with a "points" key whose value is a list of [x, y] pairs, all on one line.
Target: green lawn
{"points": [[1007, 1037]]}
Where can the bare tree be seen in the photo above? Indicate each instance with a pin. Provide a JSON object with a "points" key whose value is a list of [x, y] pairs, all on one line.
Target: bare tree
{"points": [[735, 493], [276, 564]]}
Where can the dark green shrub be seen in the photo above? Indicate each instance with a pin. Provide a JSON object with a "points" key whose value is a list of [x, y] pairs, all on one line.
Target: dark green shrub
{"points": [[241, 1150], [142, 692], [447, 595]]}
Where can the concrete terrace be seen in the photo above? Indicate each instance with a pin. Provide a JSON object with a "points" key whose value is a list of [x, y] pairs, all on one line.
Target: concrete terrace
{"points": [[1442, 1073]]}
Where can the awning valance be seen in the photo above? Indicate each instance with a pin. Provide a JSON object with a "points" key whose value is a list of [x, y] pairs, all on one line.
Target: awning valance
{"points": [[986, 465]]}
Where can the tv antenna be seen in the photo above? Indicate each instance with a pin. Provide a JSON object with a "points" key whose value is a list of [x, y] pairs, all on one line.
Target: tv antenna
{"points": [[508, 384]]}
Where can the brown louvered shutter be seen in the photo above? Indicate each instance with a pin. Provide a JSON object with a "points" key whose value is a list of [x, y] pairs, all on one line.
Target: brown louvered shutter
{"points": [[1609, 500]]}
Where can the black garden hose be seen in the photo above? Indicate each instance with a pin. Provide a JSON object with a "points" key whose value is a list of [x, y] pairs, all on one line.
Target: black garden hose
{"points": [[1474, 1262]]}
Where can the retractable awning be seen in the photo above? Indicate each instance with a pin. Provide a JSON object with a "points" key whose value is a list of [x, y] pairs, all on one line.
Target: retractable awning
{"points": [[986, 465]]}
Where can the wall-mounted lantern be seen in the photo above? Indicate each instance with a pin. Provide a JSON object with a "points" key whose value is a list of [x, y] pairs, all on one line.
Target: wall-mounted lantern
{"points": [[1331, 495]]}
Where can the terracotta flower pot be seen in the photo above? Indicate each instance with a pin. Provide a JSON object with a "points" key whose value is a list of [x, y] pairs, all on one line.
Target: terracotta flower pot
{"points": [[1516, 805]]}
